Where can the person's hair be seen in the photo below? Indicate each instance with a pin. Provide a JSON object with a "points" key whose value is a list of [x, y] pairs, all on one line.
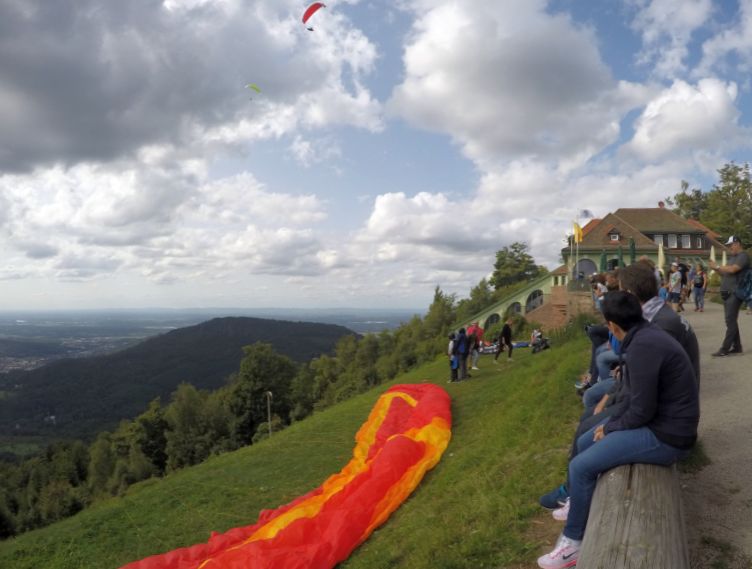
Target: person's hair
{"points": [[622, 308], [612, 280], [646, 261], [639, 279]]}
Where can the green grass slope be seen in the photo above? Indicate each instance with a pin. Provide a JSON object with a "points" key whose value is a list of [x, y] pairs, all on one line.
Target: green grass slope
{"points": [[512, 424]]}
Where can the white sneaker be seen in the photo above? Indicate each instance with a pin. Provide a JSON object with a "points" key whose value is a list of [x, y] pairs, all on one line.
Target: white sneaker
{"points": [[564, 555], [561, 514], [475, 368]]}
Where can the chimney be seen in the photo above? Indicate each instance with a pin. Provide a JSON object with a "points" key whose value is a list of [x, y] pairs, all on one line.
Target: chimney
{"points": [[661, 205]]}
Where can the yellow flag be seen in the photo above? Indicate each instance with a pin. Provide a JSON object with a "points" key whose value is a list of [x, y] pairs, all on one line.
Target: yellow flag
{"points": [[577, 233]]}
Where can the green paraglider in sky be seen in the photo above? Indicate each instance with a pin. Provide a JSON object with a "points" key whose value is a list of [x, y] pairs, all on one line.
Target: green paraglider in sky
{"points": [[254, 87]]}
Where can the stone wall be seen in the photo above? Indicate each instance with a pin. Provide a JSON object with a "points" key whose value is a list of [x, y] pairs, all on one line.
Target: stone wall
{"points": [[560, 307]]}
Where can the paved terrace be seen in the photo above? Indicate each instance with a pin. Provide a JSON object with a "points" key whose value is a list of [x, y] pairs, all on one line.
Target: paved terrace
{"points": [[718, 499]]}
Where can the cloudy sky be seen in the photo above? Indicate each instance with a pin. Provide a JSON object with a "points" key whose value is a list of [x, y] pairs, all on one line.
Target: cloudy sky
{"points": [[394, 148]]}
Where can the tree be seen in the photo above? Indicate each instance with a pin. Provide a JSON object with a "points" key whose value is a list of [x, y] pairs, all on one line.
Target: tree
{"points": [[729, 207], [101, 462], [514, 264], [261, 370], [151, 427], [690, 204], [186, 440], [441, 314], [481, 296]]}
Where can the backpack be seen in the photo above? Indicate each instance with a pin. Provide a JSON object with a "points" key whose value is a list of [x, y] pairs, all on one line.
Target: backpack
{"points": [[743, 289], [699, 280], [460, 345]]}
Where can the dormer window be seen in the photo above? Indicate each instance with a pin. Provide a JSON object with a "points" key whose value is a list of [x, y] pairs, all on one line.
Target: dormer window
{"points": [[614, 236]]}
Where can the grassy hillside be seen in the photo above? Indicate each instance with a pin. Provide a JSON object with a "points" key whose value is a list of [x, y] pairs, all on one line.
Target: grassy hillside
{"points": [[477, 508]]}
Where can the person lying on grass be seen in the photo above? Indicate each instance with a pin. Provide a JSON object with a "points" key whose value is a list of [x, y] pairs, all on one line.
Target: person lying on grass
{"points": [[658, 425]]}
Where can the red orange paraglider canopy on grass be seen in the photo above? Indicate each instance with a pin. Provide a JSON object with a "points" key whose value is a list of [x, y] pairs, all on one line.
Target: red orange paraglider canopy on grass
{"points": [[404, 436]]}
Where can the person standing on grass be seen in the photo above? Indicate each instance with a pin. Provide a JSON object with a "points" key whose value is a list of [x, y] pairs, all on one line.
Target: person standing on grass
{"points": [[730, 273], [461, 350], [699, 285], [657, 425], [505, 340], [453, 363]]}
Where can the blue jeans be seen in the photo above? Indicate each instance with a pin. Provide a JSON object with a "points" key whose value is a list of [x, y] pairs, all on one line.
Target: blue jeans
{"points": [[617, 448], [603, 361], [699, 297], [594, 394]]}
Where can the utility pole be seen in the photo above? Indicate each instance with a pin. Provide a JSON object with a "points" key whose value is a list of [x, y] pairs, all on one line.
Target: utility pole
{"points": [[269, 410]]}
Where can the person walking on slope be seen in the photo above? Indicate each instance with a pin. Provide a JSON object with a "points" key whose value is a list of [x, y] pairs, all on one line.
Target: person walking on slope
{"points": [[504, 341], [731, 273]]}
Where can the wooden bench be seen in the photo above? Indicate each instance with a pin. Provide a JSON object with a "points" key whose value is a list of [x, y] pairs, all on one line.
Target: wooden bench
{"points": [[636, 521]]}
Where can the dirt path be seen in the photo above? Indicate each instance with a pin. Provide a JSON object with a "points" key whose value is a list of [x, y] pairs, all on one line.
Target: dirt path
{"points": [[718, 498]]}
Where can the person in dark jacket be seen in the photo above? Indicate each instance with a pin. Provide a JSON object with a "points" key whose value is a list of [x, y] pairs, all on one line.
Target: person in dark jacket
{"points": [[639, 280], [505, 340], [738, 264], [658, 425], [462, 350]]}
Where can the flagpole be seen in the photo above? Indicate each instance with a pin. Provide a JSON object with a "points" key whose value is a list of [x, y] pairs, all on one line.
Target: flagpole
{"points": [[571, 252]]}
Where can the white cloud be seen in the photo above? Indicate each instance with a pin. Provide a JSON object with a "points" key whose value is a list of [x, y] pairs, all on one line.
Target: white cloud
{"points": [[666, 27], [116, 79], [163, 223], [308, 152], [685, 117], [507, 81], [733, 40]]}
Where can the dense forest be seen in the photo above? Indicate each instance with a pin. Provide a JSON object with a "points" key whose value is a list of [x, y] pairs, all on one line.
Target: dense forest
{"points": [[78, 398]]}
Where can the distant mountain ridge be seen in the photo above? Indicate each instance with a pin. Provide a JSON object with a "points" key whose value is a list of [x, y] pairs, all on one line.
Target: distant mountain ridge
{"points": [[88, 395]]}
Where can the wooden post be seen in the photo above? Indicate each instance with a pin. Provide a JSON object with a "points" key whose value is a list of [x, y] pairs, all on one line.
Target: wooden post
{"points": [[636, 521]]}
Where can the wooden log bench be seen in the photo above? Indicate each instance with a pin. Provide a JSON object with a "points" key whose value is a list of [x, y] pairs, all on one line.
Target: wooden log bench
{"points": [[636, 521]]}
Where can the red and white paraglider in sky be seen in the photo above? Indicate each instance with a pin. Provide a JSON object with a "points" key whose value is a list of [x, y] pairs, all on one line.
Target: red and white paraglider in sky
{"points": [[310, 11]]}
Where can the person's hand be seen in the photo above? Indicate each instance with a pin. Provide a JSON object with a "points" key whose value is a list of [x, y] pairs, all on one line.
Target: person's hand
{"points": [[598, 434], [600, 406]]}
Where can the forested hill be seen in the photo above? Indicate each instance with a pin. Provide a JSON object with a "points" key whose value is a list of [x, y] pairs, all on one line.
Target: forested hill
{"points": [[89, 395]]}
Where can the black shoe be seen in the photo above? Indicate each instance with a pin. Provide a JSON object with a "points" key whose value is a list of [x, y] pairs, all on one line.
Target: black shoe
{"points": [[720, 354], [735, 351], [556, 498]]}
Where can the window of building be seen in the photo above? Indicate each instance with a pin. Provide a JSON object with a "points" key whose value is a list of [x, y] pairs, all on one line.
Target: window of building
{"points": [[614, 236], [658, 239], [686, 242], [672, 241], [699, 243]]}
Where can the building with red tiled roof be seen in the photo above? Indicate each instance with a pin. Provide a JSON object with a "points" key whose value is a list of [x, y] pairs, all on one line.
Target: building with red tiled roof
{"points": [[627, 234]]}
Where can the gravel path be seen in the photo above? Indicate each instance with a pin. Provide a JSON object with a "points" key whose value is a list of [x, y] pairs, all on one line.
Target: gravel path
{"points": [[718, 498]]}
